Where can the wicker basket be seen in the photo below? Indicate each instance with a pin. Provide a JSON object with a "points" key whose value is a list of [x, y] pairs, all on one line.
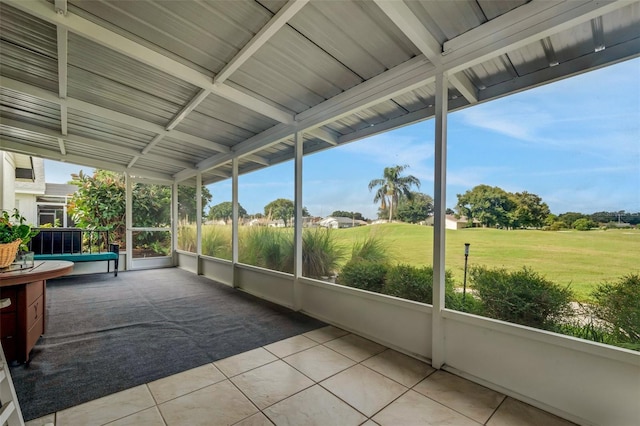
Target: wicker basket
{"points": [[8, 253]]}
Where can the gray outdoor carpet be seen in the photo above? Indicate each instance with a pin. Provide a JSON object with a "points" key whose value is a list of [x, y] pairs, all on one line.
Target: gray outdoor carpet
{"points": [[105, 334]]}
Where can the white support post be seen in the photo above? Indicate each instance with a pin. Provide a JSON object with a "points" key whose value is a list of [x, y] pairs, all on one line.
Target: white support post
{"points": [[235, 218], [199, 218], [440, 205], [128, 213], [297, 232], [175, 217]]}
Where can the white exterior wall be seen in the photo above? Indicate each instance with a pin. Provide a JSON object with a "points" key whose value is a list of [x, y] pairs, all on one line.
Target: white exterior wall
{"points": [[26, 203], [8, 174]]}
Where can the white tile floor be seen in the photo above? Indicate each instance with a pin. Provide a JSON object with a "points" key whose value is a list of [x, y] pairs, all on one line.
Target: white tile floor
{"points": [[323, 377]]}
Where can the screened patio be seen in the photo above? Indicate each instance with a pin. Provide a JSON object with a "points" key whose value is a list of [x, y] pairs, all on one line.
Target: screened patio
{"points": [[194, 93]]}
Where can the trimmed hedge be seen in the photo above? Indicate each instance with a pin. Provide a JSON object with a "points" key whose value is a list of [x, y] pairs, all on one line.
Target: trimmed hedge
{"points": [[522, 297]]}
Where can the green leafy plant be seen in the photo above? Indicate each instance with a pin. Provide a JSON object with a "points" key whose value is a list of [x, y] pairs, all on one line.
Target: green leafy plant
{"points": [[363, 274], [618, 305], [320, 253], [13, 227], [522, 297]]}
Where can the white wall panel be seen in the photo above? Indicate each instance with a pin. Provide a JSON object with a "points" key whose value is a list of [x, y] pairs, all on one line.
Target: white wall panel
{"points": [[217, 269], [400, 324], [270, 285], [585, 382]]}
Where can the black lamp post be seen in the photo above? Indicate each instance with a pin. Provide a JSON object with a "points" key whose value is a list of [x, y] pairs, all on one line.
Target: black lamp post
{"points": [[464, 285]]}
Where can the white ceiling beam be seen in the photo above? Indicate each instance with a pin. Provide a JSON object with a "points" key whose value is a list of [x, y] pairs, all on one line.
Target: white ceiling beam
{"points": [[110, 114], [63, 149], [411, 26], [219, 173], [130, 48], [326, 135], [151, 144], [63, 50], [410, 75], [421, 37], [60, 6], [190, 106], [55, 155], [99, 145], [279, 20], [464, 86], [403, 78], [403, 120], [257, 159], [524, 25], [582, 64]]}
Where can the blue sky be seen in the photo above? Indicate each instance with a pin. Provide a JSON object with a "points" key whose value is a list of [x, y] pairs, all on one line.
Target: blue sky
{"points": [[575, 143]]}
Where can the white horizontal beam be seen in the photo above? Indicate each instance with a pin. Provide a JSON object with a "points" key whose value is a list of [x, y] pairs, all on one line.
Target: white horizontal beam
{"points": [[412, 28], [190, 106], [279, 20], [105, 37], [76, 159], [110, 114], [326, 135], [526, 24], [257, 159], [421, 37], [403, 78], [63, 149], [403, 120], [464, 86], [99, 145], [582, 64]]}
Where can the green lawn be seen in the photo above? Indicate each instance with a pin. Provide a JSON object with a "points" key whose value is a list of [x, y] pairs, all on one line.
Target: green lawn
{"points": [[578, 259]]}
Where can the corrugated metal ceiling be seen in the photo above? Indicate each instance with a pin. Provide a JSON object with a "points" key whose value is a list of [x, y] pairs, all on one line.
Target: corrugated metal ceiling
{"points": [[166, 89]]}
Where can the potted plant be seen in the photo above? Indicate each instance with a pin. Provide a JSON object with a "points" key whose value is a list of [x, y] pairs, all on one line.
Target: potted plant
{"points": [[14, 234]]}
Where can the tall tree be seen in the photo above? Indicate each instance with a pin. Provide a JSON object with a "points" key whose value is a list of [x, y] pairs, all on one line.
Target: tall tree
{"points": [[391, 186], [224, 211], [350, 215], [490, 205], [416, 209], [187, 202], [99, 201], [530, 210], [282, 209]]}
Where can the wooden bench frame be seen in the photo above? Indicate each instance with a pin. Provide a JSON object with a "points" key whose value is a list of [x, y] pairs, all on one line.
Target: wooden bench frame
{"points": [[75, 245]]}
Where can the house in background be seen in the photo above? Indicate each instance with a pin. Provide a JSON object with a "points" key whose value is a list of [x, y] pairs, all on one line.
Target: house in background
{"points": [[340, 222], [455, 223], [24, 188]]}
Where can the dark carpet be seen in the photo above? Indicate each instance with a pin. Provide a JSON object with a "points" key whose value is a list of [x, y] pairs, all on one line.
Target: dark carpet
{"points": [[105, 334]]}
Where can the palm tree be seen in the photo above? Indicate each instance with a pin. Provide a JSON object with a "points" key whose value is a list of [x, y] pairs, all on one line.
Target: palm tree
{"points": [[391, 186]]}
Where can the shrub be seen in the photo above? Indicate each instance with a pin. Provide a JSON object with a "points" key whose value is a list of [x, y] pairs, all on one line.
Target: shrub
{"points": [[216, 241], [416, 283], [618, 304], [187, 238], [584, 224], [320, 253], [409, 282], [268, 248], [522, 297], [363, 274]]}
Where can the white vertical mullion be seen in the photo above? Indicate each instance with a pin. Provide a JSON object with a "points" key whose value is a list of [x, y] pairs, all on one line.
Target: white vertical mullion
{"points": [[128, 213], [235, 217], [440, 201], [297, 230], [199, 217], [174, 222]]}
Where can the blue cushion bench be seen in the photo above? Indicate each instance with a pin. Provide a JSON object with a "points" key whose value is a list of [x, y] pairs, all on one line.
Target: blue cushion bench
{"points": [[75, 245]]}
